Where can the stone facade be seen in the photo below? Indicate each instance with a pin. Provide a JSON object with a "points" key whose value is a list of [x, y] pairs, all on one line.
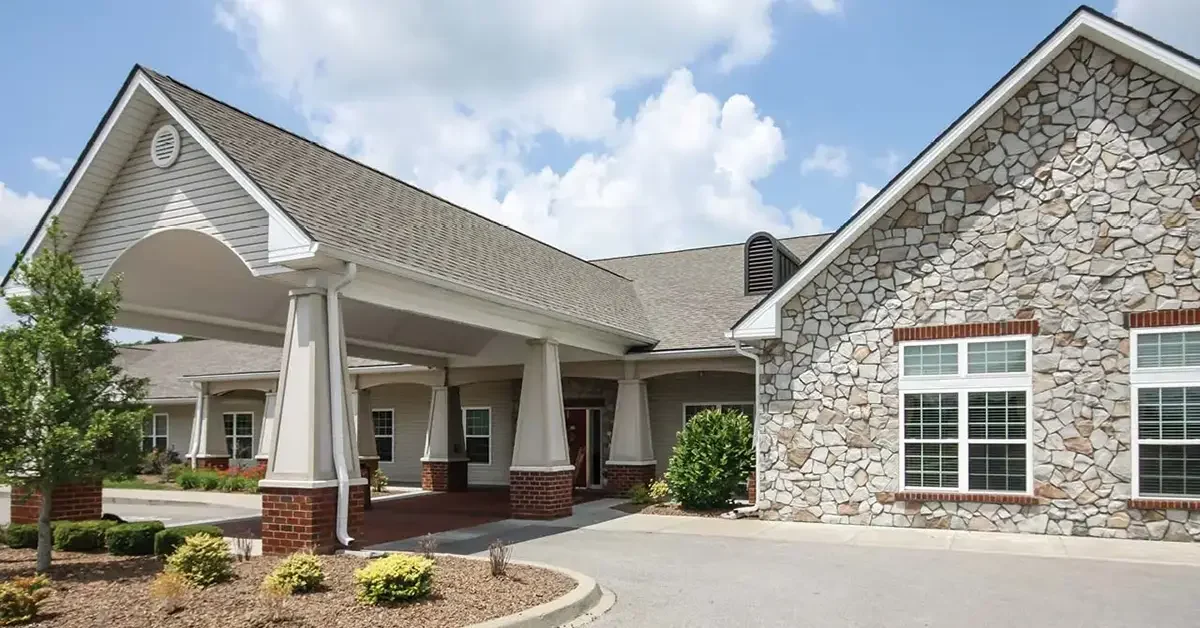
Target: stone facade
{"points": [[71, 502], [1074, 205]]}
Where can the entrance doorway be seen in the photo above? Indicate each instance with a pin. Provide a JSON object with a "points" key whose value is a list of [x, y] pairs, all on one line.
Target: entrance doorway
{"points": [[583, 445]]}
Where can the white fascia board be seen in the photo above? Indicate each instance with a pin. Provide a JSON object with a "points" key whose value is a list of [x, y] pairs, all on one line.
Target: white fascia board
{"points": [[762, 321]]}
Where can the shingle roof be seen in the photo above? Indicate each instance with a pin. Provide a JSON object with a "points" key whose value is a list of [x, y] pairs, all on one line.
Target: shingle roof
{"points": [[166, 363], [353, 207], [693, 297]]}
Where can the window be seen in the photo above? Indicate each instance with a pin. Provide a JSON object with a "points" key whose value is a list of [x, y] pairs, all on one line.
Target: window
{"points": [[384, 424], [239, 434], [1166, 413], [964, 407], [692, 409], [154, 433], [477, 427]]}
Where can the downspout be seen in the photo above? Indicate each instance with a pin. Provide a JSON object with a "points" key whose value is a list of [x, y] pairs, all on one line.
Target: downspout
{"points": [[737, 346], [199, 415], [337, 391]]}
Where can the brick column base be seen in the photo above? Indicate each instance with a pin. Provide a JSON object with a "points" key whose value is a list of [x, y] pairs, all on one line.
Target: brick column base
{"points": [[623, 477], [447, 476], [220, 464], [752, 487], [69, 502], [295, 519], [540, 494], [367, 469]]}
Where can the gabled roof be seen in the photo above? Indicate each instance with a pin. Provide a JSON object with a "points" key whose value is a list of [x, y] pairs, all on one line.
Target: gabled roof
{"points": [[356, 209], [763, 321]]}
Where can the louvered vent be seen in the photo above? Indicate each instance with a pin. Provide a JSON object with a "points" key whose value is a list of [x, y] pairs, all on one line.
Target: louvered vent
{"points": [[760, 265], [164, 148]]}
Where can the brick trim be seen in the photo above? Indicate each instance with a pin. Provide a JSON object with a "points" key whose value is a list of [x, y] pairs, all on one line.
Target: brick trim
{"points": [[966, 330], [978, 498], [1163, 318], [1164, 504]]}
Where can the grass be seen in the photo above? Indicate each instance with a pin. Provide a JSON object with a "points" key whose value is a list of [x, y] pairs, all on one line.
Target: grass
{"points": [[140, 483]]}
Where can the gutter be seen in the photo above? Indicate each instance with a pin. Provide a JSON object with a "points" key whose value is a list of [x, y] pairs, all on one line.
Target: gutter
{"points": [[754, 424], [337, 391]]}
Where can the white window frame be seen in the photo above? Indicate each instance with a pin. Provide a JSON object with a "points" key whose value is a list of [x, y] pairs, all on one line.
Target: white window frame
{"points": [[489, 436], [391, 437], [235, 436], [720, 406], [1155, 377], [166, 435], [963, 383]]}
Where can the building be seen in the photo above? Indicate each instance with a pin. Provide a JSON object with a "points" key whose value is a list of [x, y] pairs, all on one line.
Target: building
{"points": [[1006, 337]]}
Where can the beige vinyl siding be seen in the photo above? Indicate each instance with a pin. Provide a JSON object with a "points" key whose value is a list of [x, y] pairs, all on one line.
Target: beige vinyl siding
{"points": [[410, 406], [194, 193], [179, 426], [668, 393], [499, 397], [240, 401]]}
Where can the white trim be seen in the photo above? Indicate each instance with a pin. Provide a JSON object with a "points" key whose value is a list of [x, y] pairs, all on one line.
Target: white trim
{"points": [[707, 352], [1154, 377], [720, 407], [232, 451], [391, 438], [764, 320], [960, 384], [561, 467], [466, 436], [308, 484]]}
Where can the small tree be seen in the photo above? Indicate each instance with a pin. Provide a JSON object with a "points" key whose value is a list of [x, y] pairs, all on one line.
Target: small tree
{"points": [[68, 413], [713, 457]]}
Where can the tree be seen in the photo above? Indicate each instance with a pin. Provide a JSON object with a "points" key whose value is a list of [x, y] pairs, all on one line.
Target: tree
{"points": [[68, 412], [713, 456]]}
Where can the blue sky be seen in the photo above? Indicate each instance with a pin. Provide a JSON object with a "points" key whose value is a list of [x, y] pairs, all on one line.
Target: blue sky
{"points": [[604, 127]]}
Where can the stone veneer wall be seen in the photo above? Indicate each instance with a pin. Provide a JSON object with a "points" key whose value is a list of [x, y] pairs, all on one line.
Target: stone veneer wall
{"points": [[1073, 205]]}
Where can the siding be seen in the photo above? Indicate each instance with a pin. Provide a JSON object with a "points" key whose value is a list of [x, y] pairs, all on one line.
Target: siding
{"points": [[499, 397], [179, 426], [194, 193], [410, 406], [245, 401], [668, 393]]}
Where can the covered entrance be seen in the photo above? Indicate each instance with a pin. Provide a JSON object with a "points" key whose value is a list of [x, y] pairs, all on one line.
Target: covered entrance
{"points": [[584, 438]]}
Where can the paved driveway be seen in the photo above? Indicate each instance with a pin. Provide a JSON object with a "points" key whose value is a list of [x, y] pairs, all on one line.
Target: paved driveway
{"points": [[165, 506], [701, 574]]}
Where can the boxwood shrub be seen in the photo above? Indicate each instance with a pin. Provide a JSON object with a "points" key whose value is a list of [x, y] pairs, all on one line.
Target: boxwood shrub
{"points": [[81, 536], [394, 578], [21, 536], [166, 541], [132, 539]]}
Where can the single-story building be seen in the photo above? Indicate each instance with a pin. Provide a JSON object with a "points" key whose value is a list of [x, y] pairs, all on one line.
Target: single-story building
{"points": [[1006, 337]]}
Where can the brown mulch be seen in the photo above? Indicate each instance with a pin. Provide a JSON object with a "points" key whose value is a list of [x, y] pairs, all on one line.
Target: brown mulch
{"points": [[112, 592], [669, 509]]}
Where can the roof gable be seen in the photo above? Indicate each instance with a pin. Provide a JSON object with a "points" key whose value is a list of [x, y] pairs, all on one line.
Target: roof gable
{"points": [[763, 321]]}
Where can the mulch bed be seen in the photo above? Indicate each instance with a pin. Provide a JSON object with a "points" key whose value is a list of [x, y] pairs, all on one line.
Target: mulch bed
{"points": [[668, 509], [112, 592]]}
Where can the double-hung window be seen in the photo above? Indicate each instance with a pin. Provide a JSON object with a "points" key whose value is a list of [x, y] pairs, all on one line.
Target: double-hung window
{"points": [[154, 433], [965, 415], [1165, 378], [477, 428], [383, 423], [239, 434]]}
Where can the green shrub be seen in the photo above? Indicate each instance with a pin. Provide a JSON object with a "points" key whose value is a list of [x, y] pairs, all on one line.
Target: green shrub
{"points": [[188, 479], [172, 472], [639, 494], [394, 578], [209, 480], [379, 481], [132, 539], [659, 490], [166, 541], [299, 573], [202, 559], [21, 536], [712, 458], [20, 597], [81, 536]]}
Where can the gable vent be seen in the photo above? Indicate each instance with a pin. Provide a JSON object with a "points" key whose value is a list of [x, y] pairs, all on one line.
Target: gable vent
{"points": [[768, 264], [164, 148]]}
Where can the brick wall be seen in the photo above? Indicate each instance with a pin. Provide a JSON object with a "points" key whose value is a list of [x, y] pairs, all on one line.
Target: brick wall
{"points": [[296, 519], [444, 476], [71, 502], [623, 477], [212, 463], [540, 494]]}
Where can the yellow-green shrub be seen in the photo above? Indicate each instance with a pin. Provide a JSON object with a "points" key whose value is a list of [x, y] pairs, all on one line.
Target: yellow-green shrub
{"points": [[299, 573], [204, 560], [659, 490], [20, 597], [394, 578]]}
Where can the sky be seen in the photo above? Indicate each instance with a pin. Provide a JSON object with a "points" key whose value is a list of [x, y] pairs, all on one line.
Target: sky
{"points": [[604, 127]]}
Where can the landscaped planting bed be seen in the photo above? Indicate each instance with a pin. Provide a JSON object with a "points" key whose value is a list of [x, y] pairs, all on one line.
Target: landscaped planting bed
{"points": [[669, 509], [114, 592]]}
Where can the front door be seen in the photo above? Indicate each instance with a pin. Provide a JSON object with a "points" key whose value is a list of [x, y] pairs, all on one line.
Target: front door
{"points": [[577, 439]]}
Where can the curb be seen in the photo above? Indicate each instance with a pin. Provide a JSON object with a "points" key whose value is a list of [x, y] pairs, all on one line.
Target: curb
{"points": [[579, 606]]}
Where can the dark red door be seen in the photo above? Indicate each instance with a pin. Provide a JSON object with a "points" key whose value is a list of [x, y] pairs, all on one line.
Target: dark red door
{"points": [[577, 443]]}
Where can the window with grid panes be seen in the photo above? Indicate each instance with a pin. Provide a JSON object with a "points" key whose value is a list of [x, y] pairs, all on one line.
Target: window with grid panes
{"points": [[154, 433], [239, 434], [1166, 403], [384, 425], [477, 428]]}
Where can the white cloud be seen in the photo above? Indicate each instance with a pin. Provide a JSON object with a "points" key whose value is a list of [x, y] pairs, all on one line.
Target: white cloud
{"points": [[454, 95], [826, 7], [832, 159], [18, 214], [1172, 21], [863, 193], [54, 167], [889, 163]]}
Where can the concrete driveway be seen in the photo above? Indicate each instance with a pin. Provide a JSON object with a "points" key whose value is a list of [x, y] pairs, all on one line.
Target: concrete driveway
{"points": [[676, 571]]}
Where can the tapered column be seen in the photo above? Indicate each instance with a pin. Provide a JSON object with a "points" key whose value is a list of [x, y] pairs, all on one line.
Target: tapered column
{"points": [[444, 464], [631, 455], [270, 415], [300, 491], [541, 475], [208, 430]]}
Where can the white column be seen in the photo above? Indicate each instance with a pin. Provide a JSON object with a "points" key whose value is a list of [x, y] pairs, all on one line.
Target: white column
{"points": [[442, 429], [541, 438], [631, 444], [268, 426], [366, 427], [208, 429]]}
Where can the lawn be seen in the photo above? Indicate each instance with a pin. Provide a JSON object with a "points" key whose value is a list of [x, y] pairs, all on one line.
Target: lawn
{"points": [[144, 482]]}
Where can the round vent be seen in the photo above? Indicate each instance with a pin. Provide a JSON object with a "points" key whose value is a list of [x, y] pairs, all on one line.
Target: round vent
{"points": [[164, 148]]}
